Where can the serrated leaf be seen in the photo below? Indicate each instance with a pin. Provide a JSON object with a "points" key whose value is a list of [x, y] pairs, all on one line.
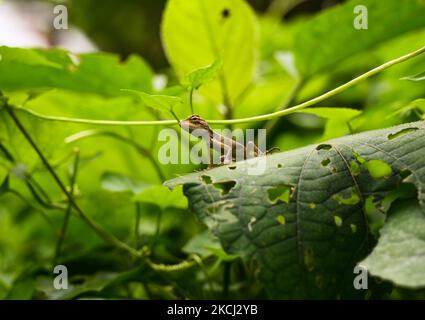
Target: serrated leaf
{"points": [[322, 236], [198, 77], [400, 253], [194, 33]]}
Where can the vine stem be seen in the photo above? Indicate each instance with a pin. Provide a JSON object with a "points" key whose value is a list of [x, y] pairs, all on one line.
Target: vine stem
{"points": [[62, 232], [273, 123], [106, 236], [263, 117]]}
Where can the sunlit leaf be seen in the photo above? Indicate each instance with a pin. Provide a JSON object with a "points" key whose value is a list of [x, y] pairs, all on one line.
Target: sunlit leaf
{"points": [[331, 36], [198, 77], [158, 102], [162, 197], [195, 33]]}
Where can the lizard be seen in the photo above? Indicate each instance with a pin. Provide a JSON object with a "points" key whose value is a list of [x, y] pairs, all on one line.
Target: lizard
{"points": [[226, 145]]}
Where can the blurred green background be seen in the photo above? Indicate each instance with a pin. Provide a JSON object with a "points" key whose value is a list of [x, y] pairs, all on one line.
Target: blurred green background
{"points": [[297, 50]]}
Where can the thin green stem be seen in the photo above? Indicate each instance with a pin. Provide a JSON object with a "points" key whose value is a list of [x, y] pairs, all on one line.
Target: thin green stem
{"points": [[263, 117], [273, 123], [191, 99], [326, 95], [23, 199], [136, 225], [44, 203], [279, 8], [158, 227], [40, 189], [106, 236], [62, 232], [184, 265], [221, 76], [97, 122]]}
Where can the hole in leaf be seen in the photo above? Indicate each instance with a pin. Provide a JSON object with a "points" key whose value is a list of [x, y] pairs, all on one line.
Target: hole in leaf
{"points": [[403, 191], [279, 166], [355, 168], [323, 147], [232, 167], [326, 162], [225, 13], [225, 186], [358, 157], [353, 199], [374, 214], [206, 179], [334, 170], [282, 193], [353, 228], [338, 221], [378, 168], [281, 219], [309, 259], [400, 133], [251, 223], [405, 173]]}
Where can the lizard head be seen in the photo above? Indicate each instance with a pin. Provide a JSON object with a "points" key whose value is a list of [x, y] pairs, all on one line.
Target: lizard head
{"points": [[194, 122]]}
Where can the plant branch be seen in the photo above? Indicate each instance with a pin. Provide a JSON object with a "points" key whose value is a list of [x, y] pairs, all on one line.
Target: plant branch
{"points": [[62, 232], [271, 124], [263, 117], [106, 236], [33, 207], [191, 100], [137, 224]]}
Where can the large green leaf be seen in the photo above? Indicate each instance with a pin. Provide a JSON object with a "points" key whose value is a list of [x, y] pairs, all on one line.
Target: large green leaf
{"points": [[330, 37], [99, 73], [303, 223], [400, 253], [196, 33]]}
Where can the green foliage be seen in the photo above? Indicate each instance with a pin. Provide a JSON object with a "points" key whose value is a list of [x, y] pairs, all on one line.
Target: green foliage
{"points": [[198, 77], [24, 69], [399, 255], [296, 231], [319, 46], [158, 102], [195, 33], [162, 197], [324, 231]]}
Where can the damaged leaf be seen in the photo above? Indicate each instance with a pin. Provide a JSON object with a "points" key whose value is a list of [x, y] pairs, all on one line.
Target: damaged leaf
{"points": [[322, 230]]}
